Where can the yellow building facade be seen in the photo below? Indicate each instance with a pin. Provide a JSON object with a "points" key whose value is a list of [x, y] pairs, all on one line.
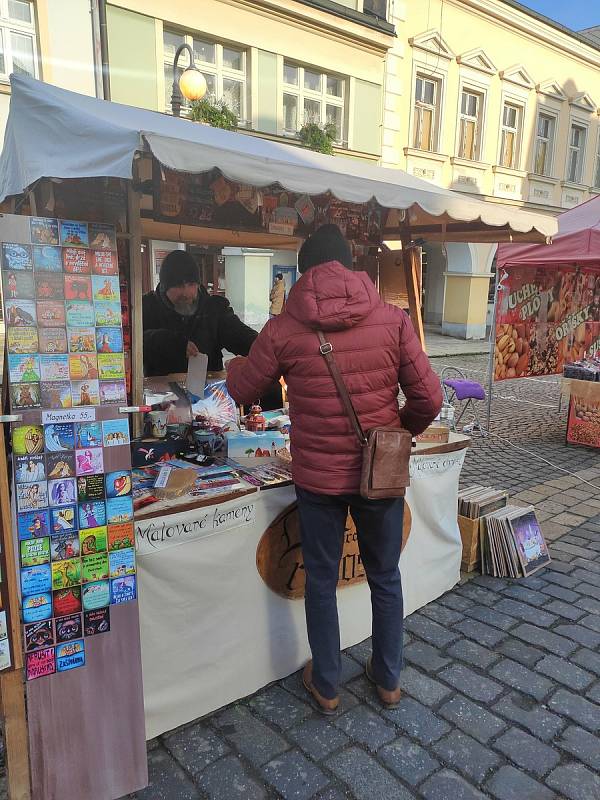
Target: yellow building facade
{"points": [[482, 96], [276, 64], [489, 98]]}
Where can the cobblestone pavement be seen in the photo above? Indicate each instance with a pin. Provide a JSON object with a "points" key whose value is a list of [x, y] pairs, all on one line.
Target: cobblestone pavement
{"points": [[439, 345], [502, 678]]}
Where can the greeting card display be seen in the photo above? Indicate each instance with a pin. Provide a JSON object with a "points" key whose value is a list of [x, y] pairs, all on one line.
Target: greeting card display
{"points": [[52, 340], [62, 308], [16, 256], [25, 395], [19, 284], [47, 259], [49, 286], [22, 339], [68, 628]]}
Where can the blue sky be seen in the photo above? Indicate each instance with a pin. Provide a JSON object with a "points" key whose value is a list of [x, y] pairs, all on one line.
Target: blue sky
{"points": [[576, 14]]}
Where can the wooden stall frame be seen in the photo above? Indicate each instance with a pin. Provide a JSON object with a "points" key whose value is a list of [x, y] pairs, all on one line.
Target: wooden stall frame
{"points": [[12, 683], [135, 294], [12, 695], [410, 259]]}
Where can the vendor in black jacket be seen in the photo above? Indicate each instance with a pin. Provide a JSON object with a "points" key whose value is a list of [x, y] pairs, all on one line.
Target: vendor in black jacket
{"points": [[182, 319]]}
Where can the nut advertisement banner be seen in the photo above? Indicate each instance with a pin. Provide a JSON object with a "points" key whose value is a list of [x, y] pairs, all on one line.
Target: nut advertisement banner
{"points": [[584, 414], [547, 317]]}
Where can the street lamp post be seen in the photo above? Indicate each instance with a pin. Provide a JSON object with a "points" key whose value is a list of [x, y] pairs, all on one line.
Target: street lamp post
{"points": [[191, 85]]}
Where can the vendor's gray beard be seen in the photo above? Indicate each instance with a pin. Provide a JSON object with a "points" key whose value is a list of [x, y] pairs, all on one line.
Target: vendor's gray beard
{"points": [[185, 309]]}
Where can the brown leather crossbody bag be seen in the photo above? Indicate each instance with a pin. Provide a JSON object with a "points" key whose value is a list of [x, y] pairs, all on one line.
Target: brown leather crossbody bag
{"points": [[385, 450]]}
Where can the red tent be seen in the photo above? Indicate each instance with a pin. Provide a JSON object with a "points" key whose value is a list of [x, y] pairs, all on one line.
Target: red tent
{"points": [[577, 241]]}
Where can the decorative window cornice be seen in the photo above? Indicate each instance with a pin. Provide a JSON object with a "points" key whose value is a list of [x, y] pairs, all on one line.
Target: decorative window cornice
{"points": [[551, 88], [518, 75], [433, 42], [477, 59]]}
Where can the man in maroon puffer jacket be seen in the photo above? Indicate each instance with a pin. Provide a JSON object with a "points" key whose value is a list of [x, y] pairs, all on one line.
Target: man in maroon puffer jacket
{"points": [[376, 349]]}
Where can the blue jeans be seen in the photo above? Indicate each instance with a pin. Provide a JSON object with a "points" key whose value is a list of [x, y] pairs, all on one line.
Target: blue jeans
{"points": [[379, 527]]}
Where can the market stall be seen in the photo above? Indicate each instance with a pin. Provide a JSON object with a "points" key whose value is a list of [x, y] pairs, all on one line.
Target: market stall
{"points": [[71, 247], [548, 315]]}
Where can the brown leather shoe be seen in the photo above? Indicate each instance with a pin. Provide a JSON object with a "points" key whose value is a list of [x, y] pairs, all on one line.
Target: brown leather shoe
{"points": [[327, 707], [389, 698]]}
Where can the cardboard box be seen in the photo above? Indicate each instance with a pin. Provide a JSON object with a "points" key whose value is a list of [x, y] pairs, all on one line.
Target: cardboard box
{"points": [[249, 445], [469, 533], [435, 434]]}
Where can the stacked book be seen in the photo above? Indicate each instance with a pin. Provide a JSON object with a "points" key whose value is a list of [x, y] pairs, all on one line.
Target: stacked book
{"points": [[512, 544], [477, 501]]}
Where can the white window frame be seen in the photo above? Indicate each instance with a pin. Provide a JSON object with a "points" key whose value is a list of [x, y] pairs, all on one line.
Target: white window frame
{"points": [[424, 74], [481, 93], [301, 93], [8, 26], [216, 69], [515, 102], [596, 178], [577, 122], [421, 105], [426, 64], [551, 155]]}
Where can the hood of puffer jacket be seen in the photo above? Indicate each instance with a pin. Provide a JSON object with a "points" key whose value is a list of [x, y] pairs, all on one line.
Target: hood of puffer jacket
{"points": [[331, 297]]}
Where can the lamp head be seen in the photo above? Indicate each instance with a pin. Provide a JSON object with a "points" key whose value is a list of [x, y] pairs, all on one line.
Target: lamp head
{"points": [[192, 84]]}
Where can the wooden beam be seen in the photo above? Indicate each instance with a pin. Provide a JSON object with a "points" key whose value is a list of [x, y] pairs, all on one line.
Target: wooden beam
{"points": [[135, 298], [220, 237], [410, 258], [215, 273], [12, 692], [147, 266], [12, 697]]}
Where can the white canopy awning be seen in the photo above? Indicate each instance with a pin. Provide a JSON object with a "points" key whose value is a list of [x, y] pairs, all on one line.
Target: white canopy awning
{"points": [[52, 132]]}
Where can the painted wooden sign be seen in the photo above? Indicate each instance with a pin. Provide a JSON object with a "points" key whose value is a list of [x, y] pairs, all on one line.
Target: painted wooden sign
{"points": [[279, 554]]}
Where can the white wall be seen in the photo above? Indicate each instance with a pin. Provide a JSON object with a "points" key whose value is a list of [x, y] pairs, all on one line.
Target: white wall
{"points": [[258, 286], [434, 284], [70, 60], [248, 283], [285, 258], [4, 105], [249, 278]]}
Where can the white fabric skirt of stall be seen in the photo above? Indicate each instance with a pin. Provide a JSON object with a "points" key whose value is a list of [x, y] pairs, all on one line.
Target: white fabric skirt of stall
{"points": [[211, 629]]}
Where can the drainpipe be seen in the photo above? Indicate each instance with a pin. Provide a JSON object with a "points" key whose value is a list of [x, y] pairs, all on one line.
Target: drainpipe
{"points": [[103, 35], [96, 48]]}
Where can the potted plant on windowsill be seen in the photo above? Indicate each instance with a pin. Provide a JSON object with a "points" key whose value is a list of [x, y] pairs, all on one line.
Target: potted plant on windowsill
{"points": [[215, 113], [319, 138]]}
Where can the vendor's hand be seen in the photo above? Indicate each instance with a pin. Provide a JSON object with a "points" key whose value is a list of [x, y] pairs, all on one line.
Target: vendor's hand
{"points": [[191, 350]]}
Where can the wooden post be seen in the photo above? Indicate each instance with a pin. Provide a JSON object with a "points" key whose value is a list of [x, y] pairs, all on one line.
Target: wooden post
{"points": [[135, 296], [215, 273], [12, 692], [147, 265], [12, 696], [410, 259]]}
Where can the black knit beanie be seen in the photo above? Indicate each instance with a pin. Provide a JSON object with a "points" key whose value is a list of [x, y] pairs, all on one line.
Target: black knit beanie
{"points": [[326, 244], [177, 268]]}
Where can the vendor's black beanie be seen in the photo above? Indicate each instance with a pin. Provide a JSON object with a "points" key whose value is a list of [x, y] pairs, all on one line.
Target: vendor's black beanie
{"points": [[177, 268], [326, 244]]}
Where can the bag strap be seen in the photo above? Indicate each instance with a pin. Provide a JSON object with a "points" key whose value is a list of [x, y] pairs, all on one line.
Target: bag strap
{"points": [[326, 350]]}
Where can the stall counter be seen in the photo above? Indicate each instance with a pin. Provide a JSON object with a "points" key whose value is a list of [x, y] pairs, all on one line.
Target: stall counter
{"points": [[217, 624]]}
